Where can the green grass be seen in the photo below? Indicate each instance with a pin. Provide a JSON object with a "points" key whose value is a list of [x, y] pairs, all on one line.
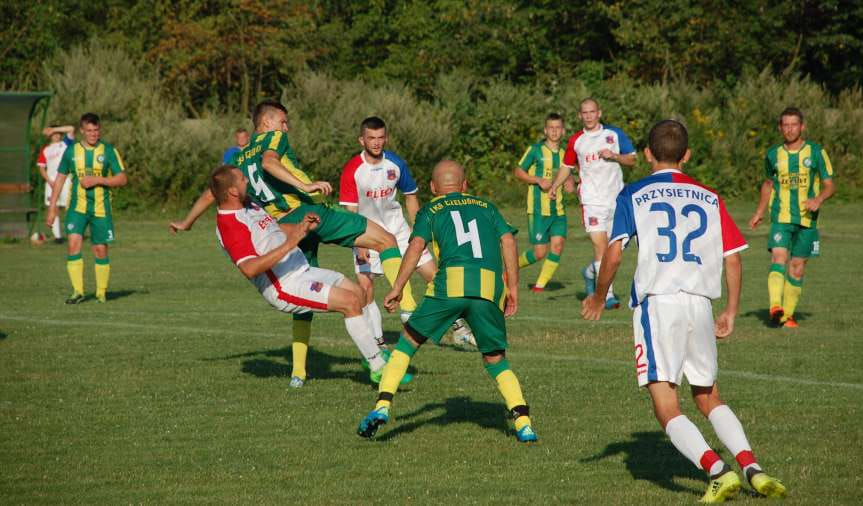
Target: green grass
{"points": [[176, 390]]}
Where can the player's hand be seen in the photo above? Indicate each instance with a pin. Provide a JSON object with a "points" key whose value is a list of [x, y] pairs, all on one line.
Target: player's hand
{"points": [[724, 325], [319, 186], [363, 255], [755, 221], [545, 184], [177, 226], [511, 306], [569, 185], [607, 154], [89, 181], [392, 299], [311, 221], [592, 307], [813, 204], [552, 193], [50, 215]]}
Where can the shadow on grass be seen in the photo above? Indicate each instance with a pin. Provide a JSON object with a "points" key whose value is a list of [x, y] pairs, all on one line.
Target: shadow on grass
{"points": [[487, 415], [119, 294], [2, 335], [764, 315], [650, 456], [551, 286]]}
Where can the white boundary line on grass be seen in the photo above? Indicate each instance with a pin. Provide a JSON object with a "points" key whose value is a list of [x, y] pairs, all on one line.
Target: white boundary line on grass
{"points": [[574, 358]]}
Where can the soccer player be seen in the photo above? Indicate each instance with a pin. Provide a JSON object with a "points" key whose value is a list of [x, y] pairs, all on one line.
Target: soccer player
{"points": [[49, 160], [684, 235], [268, 255], [241, 140], [598, 150], [799, 178], [476, 244], [369, 185], [546, 218], [95, 168]]}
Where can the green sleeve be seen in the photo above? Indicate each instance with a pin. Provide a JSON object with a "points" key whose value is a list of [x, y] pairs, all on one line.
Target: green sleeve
{"points": [[769, 168], [115, 161], [67, 163], [526, 161], [422, 225]]}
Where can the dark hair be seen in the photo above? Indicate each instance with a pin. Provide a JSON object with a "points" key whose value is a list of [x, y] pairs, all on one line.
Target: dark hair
{"points": [[241, 131], [265, 108], [372, 123], [668, 141], [791, 111], [90, 117], [221, 179], [553, 116]]}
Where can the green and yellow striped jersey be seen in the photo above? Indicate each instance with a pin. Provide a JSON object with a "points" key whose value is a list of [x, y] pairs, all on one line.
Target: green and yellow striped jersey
{"points": [[101, 160], [796, 177], [465, 233], [276, 197], [540, 161]]}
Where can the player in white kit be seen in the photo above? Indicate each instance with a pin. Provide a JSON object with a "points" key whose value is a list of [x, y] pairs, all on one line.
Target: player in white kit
{"points": [[48, 163], [369, 185], [598, 150], [271, 260], [684, 236]]}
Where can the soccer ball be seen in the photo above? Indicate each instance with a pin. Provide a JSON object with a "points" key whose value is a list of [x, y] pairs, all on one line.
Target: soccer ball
{"points": [[37, 239]]}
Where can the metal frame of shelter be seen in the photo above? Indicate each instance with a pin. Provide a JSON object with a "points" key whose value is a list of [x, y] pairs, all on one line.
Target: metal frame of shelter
{"points": [[19, 204]]}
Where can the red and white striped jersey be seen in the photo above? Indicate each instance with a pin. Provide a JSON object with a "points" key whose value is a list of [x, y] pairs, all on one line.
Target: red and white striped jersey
{"points": [[249, 233], [683, 230]]}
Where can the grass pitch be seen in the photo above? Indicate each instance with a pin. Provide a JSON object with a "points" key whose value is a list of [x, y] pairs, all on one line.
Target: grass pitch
{"points": [[176, 390]]}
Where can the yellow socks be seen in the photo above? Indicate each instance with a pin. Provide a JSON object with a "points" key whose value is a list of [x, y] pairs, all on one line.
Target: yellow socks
{"points": [[548, 268], [526, 258], [391, 260], [790, 296], [775, 282], [75, 267], [509, 387], [394, 371], [408, 303], [103, 274], [300, 347]]}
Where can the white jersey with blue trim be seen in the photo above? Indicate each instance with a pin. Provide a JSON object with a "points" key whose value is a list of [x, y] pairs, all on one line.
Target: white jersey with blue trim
{"points": [[684, 232], [600, 180], [372, 187]]}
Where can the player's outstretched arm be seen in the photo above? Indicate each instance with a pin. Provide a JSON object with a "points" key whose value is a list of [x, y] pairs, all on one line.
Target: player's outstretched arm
{"points": [[274, 166], [593, 305], [763, 200], [564, 172], [294, 234], [409, 265], [204, 201], [412, 205], [733, 281], [509, 251]]}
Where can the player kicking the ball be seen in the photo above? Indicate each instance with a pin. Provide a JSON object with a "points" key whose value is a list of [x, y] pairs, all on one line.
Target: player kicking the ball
{"points": [[369, 185], [684, 236], [475, 245], [271, 260]]}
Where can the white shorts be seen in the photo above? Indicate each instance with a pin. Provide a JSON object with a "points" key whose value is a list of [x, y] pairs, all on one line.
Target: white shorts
{"points": [[674, 336], [63, 199], [597, 218], [306, 292], [373, 266]]}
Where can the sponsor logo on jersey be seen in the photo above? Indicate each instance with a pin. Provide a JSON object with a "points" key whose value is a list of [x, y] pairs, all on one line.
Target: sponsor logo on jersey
{"points": [[263, 224], [101, 158], [609, 139], [391, 174], [316, 286], [807, 162], [380, 193]]}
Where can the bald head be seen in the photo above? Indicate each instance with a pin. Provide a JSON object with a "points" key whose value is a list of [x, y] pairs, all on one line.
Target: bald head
{"points": [[447, 177]]}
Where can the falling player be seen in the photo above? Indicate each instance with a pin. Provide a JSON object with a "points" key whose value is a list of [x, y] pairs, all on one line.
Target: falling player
{"points": [[477, 280], [546, 218], [369, 185], [598, 150], [684, 235], [799, 178], [267, 254]]}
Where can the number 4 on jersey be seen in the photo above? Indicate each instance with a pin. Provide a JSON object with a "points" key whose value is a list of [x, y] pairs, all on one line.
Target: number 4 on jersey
{"points": [[471, 234]]}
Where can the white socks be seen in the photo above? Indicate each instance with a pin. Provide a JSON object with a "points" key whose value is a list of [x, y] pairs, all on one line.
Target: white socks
{"points": [[593, 273], [729, 430], [361, 332], [373, 313], [55, 228], [688, 440]]}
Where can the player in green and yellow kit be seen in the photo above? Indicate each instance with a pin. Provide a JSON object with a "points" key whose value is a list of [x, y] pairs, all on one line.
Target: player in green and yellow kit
{"points": [[95, 167], [477, 279], [546, 218], [799, 178]]}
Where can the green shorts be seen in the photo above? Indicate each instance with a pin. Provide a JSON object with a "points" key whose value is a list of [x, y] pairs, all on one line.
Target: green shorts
{"points": [[101, 229], [435, 315], [542, 228], [337, 226], [802, 242]]}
